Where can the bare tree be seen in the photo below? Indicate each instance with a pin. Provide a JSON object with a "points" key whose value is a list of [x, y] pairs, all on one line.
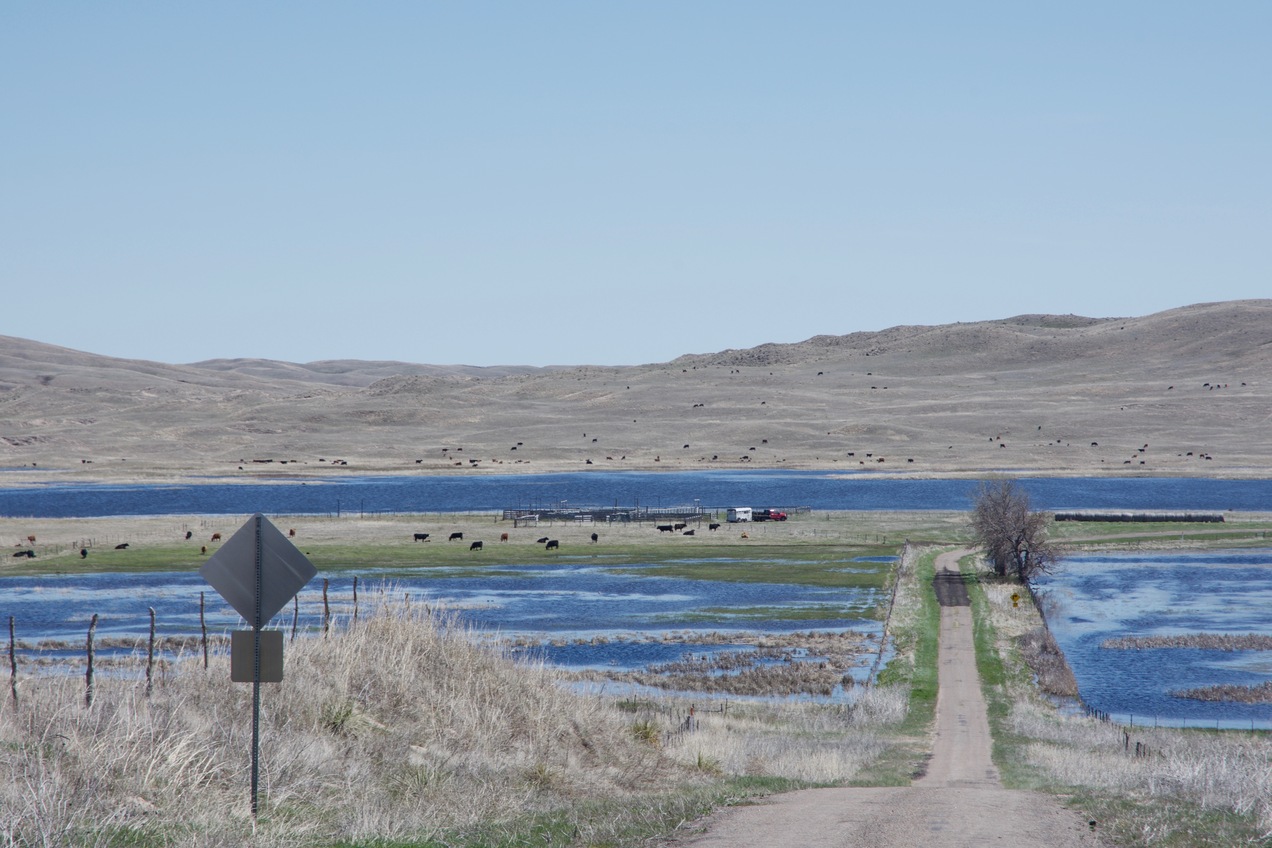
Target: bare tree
{"points": [[1013, 536]]}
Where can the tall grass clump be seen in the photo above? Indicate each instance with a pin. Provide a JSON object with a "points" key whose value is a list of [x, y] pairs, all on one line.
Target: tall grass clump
{"points": [[807, 744], [400, 727]]}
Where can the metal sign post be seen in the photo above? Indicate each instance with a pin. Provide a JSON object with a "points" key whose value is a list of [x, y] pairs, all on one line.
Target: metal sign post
{"points": [[258, 571], [257, 624]]}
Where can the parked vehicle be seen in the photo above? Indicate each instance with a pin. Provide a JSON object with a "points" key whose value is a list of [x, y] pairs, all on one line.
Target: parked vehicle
{"points": [[737, 514], [768, 515]]}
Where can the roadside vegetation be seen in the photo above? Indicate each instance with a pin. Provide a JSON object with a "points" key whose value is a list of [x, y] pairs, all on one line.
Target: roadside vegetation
{"points": [[1161, 787]]}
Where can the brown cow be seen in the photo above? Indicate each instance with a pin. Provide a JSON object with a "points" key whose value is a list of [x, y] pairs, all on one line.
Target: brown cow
{"points": [[216, 537], [503, 537]]}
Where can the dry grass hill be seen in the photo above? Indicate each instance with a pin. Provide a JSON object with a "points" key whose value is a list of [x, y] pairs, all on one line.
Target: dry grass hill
{"points": [[1185, 391]]}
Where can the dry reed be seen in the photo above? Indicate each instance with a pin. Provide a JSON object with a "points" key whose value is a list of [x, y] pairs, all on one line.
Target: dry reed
{"points": [[397, 728]]}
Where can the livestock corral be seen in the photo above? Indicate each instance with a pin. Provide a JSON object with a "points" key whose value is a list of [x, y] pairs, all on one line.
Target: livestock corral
{"points": [[563, 512]]}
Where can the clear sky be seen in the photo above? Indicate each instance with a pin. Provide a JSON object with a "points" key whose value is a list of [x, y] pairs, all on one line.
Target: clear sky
{"points": [[617, 183]]}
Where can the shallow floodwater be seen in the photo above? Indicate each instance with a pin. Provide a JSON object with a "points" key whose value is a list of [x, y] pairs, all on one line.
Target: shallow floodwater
{"points": [[576, 616], [1092, 599]]}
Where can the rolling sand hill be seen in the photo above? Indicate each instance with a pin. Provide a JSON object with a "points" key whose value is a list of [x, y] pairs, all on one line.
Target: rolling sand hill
{"points": [[1180, 392]]}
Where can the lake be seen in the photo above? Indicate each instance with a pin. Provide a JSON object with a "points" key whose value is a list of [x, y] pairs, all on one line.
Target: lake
{"points": [[711, 489]]}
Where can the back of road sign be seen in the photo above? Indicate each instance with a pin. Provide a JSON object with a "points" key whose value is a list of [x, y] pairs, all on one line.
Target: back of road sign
{"points": [[232, 570]]}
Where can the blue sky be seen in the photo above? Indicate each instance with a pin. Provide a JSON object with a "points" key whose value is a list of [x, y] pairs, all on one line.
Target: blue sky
{"points": [[604, 183]]}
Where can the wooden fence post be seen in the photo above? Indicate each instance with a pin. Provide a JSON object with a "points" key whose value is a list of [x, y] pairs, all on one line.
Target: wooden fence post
{"points": [[88, 675], [203, 629], [295, 614], [13, 666], [150, 656], [326, 608], [355, 599]]}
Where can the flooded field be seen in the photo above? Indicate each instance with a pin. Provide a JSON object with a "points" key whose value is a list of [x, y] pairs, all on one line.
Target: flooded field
{"points": [[617, 620], [1139, 632]]}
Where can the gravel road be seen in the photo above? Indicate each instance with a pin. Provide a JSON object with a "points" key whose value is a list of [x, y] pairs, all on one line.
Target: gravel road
{"points": [[958, 802]]}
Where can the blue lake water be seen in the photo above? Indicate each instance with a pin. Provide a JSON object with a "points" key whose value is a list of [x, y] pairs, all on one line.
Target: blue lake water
{"points": [[1107, 596], [712, 489]]}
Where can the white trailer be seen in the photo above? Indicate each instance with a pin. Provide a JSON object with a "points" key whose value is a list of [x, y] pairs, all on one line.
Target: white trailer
{"points": [[738, 513]]}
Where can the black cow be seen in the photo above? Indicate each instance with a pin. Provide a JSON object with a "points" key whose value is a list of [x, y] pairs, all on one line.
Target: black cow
{"points": [[28, 554], [713, 526], [83, 553], [595, 537], [542, 539], [421, 537], [687, 533], [122, 546], [680, 526], [454, 536], [475, 546], [189, 533], [664, 528], [552, 543]]}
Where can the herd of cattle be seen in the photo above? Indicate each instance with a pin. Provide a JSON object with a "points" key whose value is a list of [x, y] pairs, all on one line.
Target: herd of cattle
{"points": [[555, 544], [458, 536]]}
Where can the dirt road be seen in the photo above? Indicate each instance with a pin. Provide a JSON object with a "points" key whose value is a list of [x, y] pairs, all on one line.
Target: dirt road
{"points": [[959, 802]]}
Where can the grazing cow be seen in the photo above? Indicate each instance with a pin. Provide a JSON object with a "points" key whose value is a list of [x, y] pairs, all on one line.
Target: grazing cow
{"points": [[455, 536], [542, 539], [189, 535], [31, 539], [503, 537], [680, 526], [595, 537], [552, 543], [216, 537], [203, 549], [122, 546], [292, 532], [687, 533], [83, 553], [713, 526], [475, 546], [664, 528], [421, 537]]}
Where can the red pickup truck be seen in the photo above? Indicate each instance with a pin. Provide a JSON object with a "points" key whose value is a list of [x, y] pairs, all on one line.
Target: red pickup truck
{"points": [[768, 515]]}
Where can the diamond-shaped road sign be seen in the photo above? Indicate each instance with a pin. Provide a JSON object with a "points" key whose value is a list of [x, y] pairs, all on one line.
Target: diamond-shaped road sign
{"points": [[232, 570]]}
